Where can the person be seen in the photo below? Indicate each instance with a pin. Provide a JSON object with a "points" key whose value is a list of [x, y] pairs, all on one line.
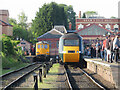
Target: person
{"points": [[111, 50], [105, 50], [92, 54], [116, 53], [108, 48], [116, 48], [97, 48], [101, 50]]}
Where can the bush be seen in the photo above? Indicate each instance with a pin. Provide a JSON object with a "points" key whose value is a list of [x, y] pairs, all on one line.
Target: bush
{"points": [[7, 46], [11, 54]]}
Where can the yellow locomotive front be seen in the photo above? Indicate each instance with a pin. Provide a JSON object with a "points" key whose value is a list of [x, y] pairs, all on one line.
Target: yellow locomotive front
{"points": [[70, 48], [42, 51], [71, 51]]}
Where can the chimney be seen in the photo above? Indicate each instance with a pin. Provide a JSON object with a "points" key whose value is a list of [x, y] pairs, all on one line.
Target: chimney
{"points": [[4, 15], [79, 14]]}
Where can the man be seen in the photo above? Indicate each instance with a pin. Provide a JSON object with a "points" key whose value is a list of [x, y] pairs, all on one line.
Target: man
{"points": [[111, 49], [105, 50], [101, 50], [108, 48], [116, 48]]}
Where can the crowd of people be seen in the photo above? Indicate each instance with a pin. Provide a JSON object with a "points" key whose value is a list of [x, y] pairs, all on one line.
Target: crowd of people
{"points": [[107, 50]]}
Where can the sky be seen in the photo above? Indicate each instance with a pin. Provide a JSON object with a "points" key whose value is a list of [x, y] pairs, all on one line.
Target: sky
{"points": [[106, 8]]}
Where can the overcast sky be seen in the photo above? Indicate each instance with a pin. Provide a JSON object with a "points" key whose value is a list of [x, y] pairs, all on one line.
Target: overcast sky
{"points": [[106, 8]]}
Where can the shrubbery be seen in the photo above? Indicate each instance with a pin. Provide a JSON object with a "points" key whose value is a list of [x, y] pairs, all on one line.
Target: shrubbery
{"points": [[10, 52]]}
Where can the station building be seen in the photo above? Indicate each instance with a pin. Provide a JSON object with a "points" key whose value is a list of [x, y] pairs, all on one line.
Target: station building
{"points": [[107, 23], [5, 27]]}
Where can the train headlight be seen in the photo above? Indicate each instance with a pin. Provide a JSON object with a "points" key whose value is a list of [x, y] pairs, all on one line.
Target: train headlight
{"points": [[78, 51], [63, 51]]}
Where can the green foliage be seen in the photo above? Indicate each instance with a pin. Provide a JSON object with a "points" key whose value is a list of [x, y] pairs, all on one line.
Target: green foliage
{"points": [[70, 15], [90, 13], [50, 15], [18, 32], [84, 16], [22, 20], [7, 45], [113, 17]]}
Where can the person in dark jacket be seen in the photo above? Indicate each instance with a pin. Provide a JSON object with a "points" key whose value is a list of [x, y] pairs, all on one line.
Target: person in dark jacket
{"points": [[116, 53], [111, 49], [92, 54]]}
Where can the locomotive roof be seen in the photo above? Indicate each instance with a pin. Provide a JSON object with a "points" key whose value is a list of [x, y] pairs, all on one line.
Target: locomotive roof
{"points": [[71, 36], [44, 42]]}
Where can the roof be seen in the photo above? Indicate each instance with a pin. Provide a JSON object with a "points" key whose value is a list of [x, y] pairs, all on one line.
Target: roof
{"points": [[4, 23], [51, 34], [71, 36], [71, 31], [60, 28], [93, 29]]}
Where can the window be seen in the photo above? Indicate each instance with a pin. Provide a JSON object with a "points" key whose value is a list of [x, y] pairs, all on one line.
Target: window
{"points": [[80, 26], [38, 46], [116, 26], [108, 26], [23, 43], [45, 46], [42, 46], [68, 42]]}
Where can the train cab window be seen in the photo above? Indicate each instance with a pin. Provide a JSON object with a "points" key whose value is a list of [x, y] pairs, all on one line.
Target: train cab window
{"points": [[68, 42], [42, 46], [38, 46], [45, 46]]}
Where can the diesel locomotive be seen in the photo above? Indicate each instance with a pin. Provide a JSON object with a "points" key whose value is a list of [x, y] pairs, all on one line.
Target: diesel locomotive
{"points": [[42, 51], [70, 48]]}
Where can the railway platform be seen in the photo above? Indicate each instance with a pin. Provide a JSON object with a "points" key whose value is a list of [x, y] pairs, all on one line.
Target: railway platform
{"points": [[108, 71]]}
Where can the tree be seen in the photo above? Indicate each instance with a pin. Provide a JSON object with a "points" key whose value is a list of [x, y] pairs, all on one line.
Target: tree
{"points": [[22, 20], [12, 21], [48, 16], [90, 13], [70, 15], [113, 17], [84, 16]]}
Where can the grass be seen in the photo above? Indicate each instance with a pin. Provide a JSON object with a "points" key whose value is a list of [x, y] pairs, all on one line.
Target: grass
{"points": [[51, 77], [15, 67]]}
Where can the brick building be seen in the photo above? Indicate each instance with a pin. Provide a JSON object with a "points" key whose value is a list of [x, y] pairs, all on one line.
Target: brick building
{"points": [[92, 33], [52, 37], [25, 45], [5, 27], [110, 24]]}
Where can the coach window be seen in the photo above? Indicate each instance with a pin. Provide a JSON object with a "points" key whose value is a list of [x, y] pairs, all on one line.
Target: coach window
{"points": [[45, 46], [42, 46], [38, 46]]}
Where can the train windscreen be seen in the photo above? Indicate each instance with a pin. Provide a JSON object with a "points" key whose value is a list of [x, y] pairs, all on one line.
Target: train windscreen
{"points": [[69, 42]]}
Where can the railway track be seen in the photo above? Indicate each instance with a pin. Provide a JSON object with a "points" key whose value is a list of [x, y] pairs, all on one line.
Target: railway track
{"points": [[9, 79], [78, 79]]}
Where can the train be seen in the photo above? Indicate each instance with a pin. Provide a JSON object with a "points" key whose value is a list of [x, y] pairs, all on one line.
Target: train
{"points": [[42, 51], [70, 48]]}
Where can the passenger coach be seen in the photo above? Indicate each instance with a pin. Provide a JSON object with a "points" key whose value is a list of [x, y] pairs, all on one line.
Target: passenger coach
{"points": [[70, 48]]}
